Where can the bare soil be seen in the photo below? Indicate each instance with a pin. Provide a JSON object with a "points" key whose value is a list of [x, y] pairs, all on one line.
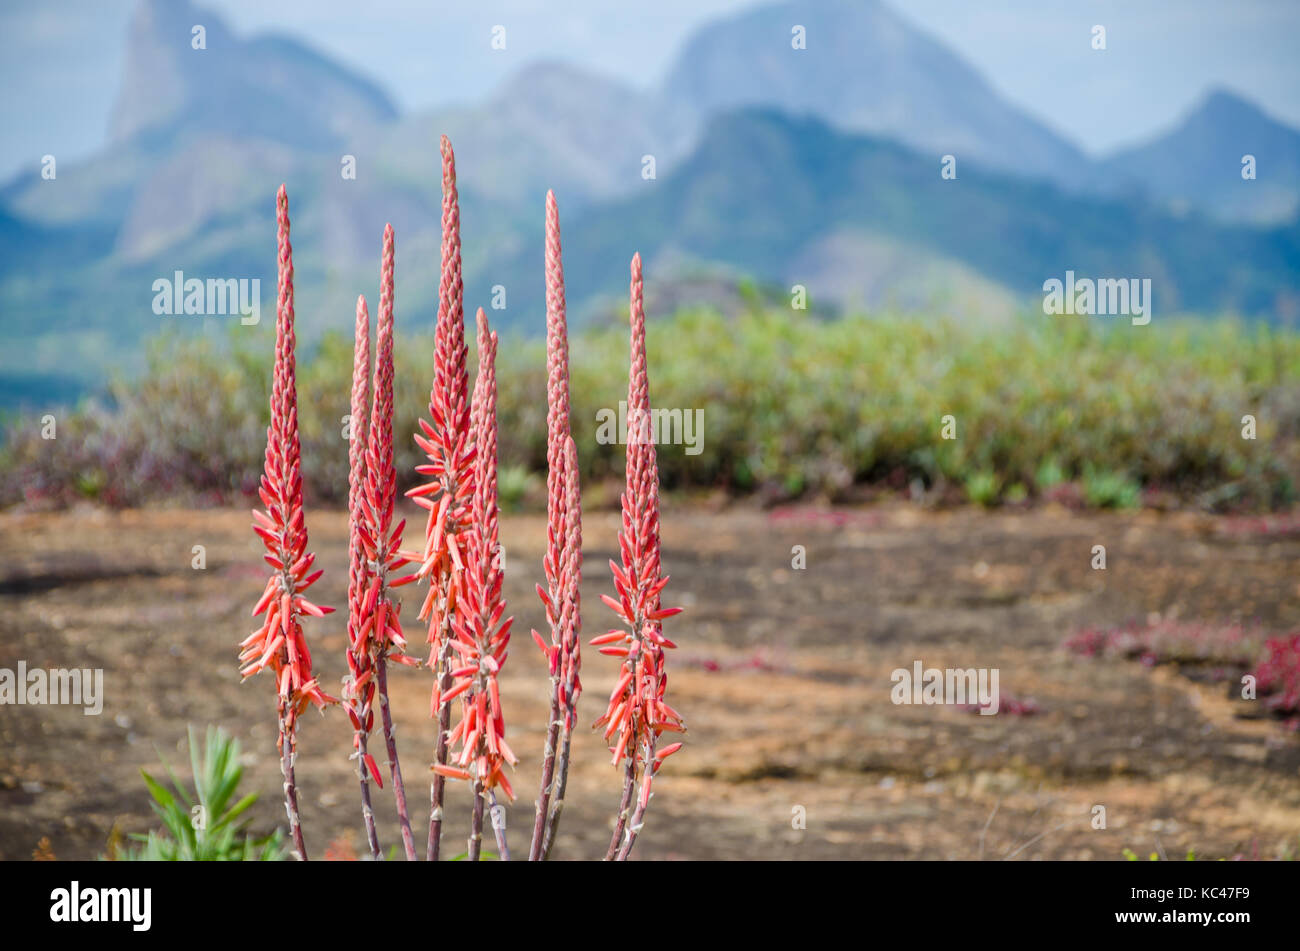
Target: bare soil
{"points": [[783, 676]]}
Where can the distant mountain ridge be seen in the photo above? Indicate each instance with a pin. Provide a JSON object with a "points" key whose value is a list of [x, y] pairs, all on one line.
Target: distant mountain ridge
{"points": [[1198, 164], [267, 87], [764, 192], [864, 69], [201, 139]]}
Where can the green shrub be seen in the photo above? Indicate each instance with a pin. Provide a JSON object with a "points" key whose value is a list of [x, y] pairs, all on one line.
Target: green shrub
{"points": [[792, 405], [1048, 475], [1106, 489], [203, 827], [982, 487]]}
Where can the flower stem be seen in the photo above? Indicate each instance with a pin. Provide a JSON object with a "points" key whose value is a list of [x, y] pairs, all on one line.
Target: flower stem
{"points": [[536, 851], [438, 786], [629, 784], [476, 823], [287, 753], [498, 826], [643, 800], [367, 813], [557, 803], [394, 767]]}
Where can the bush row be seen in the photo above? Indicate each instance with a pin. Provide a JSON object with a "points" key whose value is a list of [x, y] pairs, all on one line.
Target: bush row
{"points": [[792, 405]]}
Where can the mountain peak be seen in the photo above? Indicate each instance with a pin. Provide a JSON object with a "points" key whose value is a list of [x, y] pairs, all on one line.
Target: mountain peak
{"points": [[1221, 105], [863, 68], [155, 82], [1198, 163], [549, 72], [185, 70], [1222, 98], [547, 85]]}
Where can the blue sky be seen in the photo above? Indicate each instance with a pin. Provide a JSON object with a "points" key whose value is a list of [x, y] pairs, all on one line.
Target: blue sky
{"points": [[60, 59]]}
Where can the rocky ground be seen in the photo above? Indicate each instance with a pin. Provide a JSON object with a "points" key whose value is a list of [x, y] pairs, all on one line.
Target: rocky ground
{"points": [[783, 675]]}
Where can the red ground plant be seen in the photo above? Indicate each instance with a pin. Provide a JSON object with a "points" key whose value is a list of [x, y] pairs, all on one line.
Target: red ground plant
{"points": [[1224, 650], [459, 561], [1277, 677]]}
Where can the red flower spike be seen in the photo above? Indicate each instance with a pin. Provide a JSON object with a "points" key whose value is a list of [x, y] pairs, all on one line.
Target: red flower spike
{"points": [[378, 632], [636, 709], [283, 529], [377, 499], [477, 623], [563, 559], [449, 490]]}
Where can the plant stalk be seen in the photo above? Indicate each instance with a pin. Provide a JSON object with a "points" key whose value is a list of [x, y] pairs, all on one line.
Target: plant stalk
{"points": [[557, 803], [498, 818], [629, 784], [367, 813], [287, 753], [476, 823], [643, 800], [437, 788], [536, 853], [394, 767]]}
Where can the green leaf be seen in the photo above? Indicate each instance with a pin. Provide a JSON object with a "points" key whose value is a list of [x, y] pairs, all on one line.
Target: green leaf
{"points": [[217, 773]]}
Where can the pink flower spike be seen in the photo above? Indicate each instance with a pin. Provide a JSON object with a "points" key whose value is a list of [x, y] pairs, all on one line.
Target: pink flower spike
{"points": [[642, 683], [283, 529]]}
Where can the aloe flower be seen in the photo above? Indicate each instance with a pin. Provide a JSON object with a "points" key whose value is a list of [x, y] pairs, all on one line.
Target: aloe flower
{"points": [[359, 685], [637, 714], [381, 541], [562, 564], [279, 644], [571, 625], [448, 496], [481, 633]]}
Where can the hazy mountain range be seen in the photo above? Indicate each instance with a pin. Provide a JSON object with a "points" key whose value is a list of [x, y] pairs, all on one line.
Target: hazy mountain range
{"points": [[818, 166]]}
